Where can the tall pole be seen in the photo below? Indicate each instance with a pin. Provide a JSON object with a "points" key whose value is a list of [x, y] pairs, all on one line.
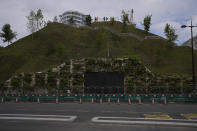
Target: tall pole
{"points": [[193, 68]]}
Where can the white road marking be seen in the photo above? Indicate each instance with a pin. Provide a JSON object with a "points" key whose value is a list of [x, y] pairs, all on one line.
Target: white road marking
{"points": [[38, 117], [145, 121], [134, 118], [32, 115]]}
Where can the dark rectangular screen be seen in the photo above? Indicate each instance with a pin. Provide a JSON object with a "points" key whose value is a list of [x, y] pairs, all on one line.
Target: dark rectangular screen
{"points": [[104, 79]]}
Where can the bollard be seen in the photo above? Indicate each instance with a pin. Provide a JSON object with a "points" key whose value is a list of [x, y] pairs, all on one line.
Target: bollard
{"points": [[80, 101], [2, 100], [101, 101], [38, 100], [153, 101], [140, 102], [109, 102], [56, 101], [165, 101], [118, 102], [16, 99], [129, 101], [92, 101]]}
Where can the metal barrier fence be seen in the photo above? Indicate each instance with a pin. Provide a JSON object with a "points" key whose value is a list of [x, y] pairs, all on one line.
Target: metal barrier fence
{"points": [[114, 98]]}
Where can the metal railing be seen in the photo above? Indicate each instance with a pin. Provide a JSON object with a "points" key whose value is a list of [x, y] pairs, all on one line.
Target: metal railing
{"points": [[159, 98]]}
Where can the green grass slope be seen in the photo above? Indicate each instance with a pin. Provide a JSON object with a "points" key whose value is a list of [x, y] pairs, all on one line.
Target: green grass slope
{"points": [[58, 42]]}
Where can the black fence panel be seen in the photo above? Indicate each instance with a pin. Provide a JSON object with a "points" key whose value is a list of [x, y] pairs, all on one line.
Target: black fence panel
{"points": [[104, 82]]}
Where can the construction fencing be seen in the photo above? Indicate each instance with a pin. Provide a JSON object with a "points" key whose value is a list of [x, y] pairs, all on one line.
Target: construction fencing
{"points": [[134, 98]]}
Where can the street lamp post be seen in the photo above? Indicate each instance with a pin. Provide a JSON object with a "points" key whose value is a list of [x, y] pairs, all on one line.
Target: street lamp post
{"points": [[193, 69]]}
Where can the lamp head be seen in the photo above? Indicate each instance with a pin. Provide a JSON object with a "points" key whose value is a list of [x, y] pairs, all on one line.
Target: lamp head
{"points": [[183, 26]]}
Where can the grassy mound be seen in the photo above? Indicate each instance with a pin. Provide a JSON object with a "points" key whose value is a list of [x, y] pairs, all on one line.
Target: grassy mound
{"points": [[58, 42]]}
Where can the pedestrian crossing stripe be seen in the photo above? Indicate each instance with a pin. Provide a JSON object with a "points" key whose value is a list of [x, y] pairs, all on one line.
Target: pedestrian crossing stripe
{"points": [[190, 116], [157, 116]]}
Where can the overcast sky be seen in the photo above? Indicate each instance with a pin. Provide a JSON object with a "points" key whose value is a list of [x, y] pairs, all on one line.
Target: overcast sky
{"points": [[174, 12]]}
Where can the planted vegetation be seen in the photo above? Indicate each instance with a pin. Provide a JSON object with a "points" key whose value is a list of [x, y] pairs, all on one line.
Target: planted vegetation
{"points": [[137, 77]]}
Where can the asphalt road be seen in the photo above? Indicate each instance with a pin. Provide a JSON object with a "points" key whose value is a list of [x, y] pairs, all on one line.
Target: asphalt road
{"points": [[97, 117]]}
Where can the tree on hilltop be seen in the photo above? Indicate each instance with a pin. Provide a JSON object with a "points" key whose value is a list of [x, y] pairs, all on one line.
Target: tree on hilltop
{"points": [[170, 33], [55, 19], [112, 21], [31, 25], [35, 21], [39, 19], [147, 23], [7, 34], [88, 20], [125, 20]]}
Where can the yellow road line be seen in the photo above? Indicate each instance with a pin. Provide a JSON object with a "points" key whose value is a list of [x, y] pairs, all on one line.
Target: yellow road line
{"points": [[157, 116], [190, 116]]}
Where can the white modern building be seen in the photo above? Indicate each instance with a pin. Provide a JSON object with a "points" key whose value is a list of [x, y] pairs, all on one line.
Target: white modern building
{"points": [[78, 18]]}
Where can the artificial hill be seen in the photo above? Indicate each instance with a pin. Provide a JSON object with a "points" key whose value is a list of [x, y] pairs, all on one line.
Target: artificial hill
{"points": [[57, 43]]}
